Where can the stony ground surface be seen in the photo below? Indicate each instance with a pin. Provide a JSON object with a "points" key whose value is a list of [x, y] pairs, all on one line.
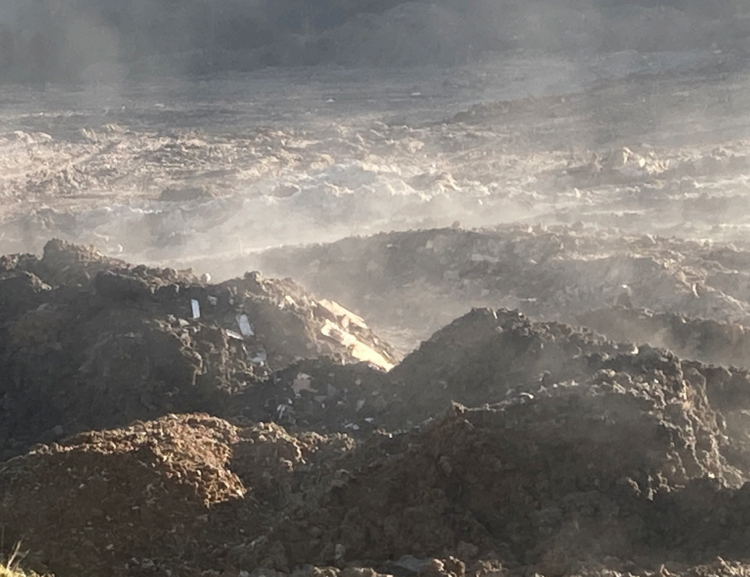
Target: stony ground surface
{"points": [[206, 171]]}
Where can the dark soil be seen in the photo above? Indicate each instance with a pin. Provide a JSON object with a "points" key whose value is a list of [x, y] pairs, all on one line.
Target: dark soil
{"points": [[419, 281], [706, 340], [501, 446], [88, 342]]}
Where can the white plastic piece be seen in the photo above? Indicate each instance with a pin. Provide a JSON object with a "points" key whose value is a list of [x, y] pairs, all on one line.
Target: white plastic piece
{"points": [[301, 383], [244, 324], [260, 357], [196, 308]]}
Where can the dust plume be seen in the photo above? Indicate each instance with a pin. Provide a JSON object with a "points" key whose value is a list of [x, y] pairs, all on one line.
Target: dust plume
{"points": [[200, 133]]}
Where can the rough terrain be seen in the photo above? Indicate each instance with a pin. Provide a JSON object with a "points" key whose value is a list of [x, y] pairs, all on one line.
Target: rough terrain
{"points": [[604, 461], [90, 342], [579, 450], [484, 314]]}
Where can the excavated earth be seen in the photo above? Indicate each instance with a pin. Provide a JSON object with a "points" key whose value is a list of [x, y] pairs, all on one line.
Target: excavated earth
{"points": [[414, 282], [144, 439], [90, 342], [501, 328]]}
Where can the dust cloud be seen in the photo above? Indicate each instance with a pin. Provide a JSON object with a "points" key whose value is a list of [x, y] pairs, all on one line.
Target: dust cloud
{"points": [[324, 288]]}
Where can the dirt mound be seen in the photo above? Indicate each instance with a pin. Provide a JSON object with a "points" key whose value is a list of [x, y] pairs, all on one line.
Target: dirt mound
{"points": [[119, 501], [493, 356], [708, 341], [421, 280], [541, 482], [594, 459], [89, 342], [544, 484], [174, 495], [487, 355], [579, 453]]}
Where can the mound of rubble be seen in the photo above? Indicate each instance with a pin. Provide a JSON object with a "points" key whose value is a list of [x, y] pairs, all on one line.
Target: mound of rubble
{"points": [[705, 340], [615, 469], [88, 342], [501, 446], [421, 280], [121, 499], [540, 483], [175, 494]]}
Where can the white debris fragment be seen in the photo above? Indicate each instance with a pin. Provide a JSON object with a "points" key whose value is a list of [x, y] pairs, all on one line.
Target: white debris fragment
{"points": [[345, 316], [301, 383], [476, 257], [196, 308], [260, 357], [245, 328], [234, 335], [358, 349]]}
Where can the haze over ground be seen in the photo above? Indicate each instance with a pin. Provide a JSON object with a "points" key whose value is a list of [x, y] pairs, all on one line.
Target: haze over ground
{"points": [[72, 40], [493, 179]]}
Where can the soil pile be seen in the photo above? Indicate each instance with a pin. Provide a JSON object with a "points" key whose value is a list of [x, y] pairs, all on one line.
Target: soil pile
{"points": [[542, 483], [88, 342], [173, 494], [495, 356], [489, 355], [118, 501], [580, 453], [709, 341], [575, 455], [420, 280]]}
